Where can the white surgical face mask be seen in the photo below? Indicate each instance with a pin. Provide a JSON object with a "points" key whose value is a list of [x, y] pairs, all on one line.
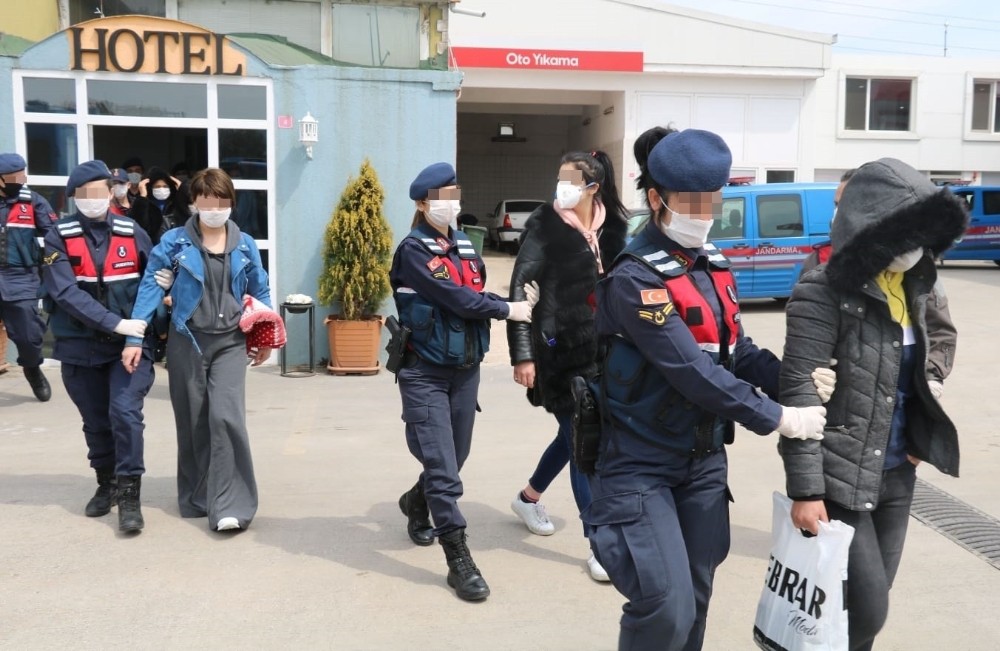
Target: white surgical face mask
{"points": [[443, 212], [134, 178], [906, 261], [686, 230], [568, 195], [93, 208], [214, 218], [161, 194], [119, 189]]}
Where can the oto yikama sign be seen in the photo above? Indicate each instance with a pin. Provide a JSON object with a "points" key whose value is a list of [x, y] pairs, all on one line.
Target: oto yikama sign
{"points": [[151, 45], [513, 58]]}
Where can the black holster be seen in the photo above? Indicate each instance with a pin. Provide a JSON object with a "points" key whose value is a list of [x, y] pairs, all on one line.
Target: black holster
{"points": [[399, 335], [586, 426]]}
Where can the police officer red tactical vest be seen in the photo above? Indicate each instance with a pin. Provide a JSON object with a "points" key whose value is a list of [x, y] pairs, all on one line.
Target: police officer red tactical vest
{"points": [[113, 282], [823, 252], [18, 247], [439, 336], [654, 410]]}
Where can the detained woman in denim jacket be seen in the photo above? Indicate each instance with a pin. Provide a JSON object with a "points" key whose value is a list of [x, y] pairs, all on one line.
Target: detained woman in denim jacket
{"points": [[208, 265]]}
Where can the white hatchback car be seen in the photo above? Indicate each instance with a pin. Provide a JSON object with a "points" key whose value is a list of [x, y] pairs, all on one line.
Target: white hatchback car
{"points": [[507, 222]]}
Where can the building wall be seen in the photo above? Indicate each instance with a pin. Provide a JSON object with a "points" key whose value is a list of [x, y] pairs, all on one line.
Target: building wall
{"points": [[33, 20], [401, 120], [939, 140]]}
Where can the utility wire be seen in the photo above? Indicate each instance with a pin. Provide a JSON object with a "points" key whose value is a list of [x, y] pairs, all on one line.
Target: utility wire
{"points": [[908, 11], [935, 45], [854, 14]]}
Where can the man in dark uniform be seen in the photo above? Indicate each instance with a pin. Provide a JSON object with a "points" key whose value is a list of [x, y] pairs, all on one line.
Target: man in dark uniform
{"points": [[94, 260], [25, 218]]}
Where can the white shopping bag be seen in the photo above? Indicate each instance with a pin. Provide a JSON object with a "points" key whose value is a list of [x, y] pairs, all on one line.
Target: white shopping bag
{"points": [[802, 605]]}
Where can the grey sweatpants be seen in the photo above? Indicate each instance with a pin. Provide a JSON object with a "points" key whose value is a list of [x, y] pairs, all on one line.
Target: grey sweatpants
{"points": [[208, 392]]}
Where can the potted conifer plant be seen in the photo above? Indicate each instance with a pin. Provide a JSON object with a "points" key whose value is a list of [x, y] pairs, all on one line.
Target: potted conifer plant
{"points": [[357, 250]]}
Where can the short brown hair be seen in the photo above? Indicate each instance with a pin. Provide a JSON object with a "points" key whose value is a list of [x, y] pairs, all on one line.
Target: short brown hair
{"points": [[212, 182]]}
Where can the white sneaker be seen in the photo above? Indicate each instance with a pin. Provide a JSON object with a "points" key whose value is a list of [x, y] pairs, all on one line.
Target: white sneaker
{"points": [[228, 524], [533, 516], [597, 572]]}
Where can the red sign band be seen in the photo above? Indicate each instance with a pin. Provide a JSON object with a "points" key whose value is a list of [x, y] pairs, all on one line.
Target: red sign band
{"points": [[510, 58]]}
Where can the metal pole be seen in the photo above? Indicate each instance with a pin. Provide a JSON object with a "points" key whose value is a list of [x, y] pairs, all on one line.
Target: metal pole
{"points": [[946, 38]]}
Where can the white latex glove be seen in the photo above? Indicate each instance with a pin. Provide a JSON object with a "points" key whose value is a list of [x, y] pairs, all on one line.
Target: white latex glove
{"points": [[165, 278], [520, 311], [531, 292], [131, 327], [937, 389], [825, 379], [802, 422]]}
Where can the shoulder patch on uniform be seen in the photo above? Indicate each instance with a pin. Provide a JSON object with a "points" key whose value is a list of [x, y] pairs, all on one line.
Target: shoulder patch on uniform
{"points": [[654, 296], [434, 263], [658, 316], [49, 259], [442, 273]]}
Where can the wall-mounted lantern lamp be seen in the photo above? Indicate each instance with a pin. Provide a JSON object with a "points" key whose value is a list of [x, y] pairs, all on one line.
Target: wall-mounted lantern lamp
{"points": [[308, 133]]}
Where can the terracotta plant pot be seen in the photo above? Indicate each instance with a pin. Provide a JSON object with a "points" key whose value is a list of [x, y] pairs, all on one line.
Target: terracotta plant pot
{"points": [[353, 345]]}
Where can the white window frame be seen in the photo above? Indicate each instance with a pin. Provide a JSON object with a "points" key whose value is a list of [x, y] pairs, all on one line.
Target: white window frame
{"points": [[867, 134], [211, 123], [971, 79]]}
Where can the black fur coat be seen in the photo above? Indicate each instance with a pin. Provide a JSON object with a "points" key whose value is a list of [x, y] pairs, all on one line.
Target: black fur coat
{"points": [[561, 339]]}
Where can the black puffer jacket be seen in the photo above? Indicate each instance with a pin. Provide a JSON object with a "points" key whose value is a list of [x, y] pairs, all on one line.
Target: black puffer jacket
{"points": [[560, 338], [838, 311]]}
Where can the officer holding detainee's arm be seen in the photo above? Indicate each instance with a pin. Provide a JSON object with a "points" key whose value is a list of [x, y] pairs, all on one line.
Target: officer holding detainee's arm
{"points": [[438, 284], [679, 371], [93, 263]]}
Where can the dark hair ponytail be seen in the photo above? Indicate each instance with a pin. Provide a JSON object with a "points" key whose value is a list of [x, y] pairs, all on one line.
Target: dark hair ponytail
{"points": [[598, 168], [641, 149]]}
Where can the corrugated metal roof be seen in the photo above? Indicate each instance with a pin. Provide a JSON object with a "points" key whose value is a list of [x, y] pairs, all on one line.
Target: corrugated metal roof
{"points": [[279, 51]]}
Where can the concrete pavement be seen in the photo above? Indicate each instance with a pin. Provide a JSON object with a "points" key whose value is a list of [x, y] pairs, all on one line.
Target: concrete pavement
{"points": [[327, 564]]}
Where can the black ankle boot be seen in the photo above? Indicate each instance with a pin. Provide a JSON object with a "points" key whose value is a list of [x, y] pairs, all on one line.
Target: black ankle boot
{"points": [[39, 385], [129, 514], [463, 575], [414, 507], [100, 503]]}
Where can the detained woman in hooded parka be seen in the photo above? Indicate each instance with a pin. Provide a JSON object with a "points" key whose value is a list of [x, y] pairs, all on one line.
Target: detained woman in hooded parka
{"points": [[867, 309]]}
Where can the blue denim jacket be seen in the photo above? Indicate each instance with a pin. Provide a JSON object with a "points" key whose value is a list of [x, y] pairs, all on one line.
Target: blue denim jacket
{"points": [[176, 251]]}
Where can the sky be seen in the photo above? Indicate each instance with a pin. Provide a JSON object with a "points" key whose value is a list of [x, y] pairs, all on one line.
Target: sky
{"points": [[878, 26]]}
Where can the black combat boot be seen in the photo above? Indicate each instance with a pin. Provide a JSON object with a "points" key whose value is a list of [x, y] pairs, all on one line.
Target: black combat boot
{"points": [[100, 503], [463, 575], [39, 385], [129, 513], [414, 507]]}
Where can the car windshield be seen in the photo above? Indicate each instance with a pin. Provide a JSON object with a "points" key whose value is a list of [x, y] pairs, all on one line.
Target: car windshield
{"points": [[522, 206]]}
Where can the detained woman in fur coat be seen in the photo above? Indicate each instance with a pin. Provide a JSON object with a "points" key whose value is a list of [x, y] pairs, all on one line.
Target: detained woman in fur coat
{"points": [[565, 248]]}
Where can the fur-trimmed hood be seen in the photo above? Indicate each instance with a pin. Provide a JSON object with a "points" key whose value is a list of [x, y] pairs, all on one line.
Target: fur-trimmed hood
{"points": [[887, 209]]}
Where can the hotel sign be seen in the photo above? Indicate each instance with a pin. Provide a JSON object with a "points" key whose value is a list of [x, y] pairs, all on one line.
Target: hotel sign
{"points": [[151, 45]]}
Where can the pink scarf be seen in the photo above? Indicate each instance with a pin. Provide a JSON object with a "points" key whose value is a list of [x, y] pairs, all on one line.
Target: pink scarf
{"points": [[571, 220]]}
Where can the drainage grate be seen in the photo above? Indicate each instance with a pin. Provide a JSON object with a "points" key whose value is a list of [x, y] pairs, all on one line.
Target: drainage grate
{"points": [[958, 521]]}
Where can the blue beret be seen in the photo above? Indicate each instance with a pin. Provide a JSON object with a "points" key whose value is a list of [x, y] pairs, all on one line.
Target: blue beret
{"points": [[118, 175], [690, 161], [92, 170], [10, 163], [431, 177]]}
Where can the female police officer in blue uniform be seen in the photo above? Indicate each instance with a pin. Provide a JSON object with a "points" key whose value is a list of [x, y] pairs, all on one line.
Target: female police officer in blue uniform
{"points": [[437, 280], [678, 372], [94, 260], [24, 217]]}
